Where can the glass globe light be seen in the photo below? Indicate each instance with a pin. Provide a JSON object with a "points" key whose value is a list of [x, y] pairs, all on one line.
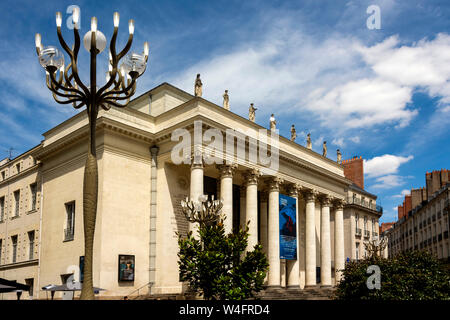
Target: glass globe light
{"points": [[100, 41], [51, 57], [134, 64]]}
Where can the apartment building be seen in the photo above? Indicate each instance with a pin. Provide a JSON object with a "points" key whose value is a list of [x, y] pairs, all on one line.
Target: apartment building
{"points": [[20, 204], [423, 221]]}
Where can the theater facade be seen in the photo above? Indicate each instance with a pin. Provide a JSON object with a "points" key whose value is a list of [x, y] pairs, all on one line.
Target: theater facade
{"points": [[163, 148]]}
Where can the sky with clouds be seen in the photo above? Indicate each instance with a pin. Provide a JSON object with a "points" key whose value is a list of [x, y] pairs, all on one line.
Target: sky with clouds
{"points": [[383, 94]]}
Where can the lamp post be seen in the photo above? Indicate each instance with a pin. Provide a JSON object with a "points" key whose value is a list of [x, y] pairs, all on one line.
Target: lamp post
{"points": [[67, 88]]}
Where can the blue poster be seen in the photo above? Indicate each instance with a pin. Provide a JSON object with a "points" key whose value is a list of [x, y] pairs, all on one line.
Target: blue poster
{"points": [[288, 228]]}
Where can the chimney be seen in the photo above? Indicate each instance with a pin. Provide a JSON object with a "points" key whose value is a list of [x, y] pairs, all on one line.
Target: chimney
{"points": [[354, 170]]}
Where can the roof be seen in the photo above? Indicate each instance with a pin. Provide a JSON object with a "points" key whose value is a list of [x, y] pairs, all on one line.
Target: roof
{"points": [[355, 187]]}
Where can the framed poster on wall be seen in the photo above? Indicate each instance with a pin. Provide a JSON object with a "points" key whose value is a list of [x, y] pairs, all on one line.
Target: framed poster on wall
{"points": [[126, 267], [288, 228]]}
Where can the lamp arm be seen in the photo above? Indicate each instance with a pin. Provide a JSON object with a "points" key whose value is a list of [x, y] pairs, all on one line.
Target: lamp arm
{"points": [[55, 86], [74, 58], [131, 87], [114, 103], [112, 78]]}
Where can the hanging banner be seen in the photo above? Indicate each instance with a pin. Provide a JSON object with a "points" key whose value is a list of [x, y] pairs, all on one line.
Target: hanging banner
{"points": [[288, 228]]}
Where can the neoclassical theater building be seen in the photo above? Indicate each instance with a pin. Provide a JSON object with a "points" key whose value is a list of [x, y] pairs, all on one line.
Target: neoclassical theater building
{"points": [[141, 186]]}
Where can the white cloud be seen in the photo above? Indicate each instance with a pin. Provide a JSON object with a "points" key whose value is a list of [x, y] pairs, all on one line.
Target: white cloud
{"points": [[355, 139], [388, 181], [402, 194], [424, 64], [338, 142], [387, 164]]}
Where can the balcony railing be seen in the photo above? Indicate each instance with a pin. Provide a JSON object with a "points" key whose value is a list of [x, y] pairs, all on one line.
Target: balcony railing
{"points": [[358, 232], [68, 234], [365, 204], [366, 234]]}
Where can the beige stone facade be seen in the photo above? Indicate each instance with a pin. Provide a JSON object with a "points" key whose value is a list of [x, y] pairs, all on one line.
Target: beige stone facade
{"points": [[425, 227], [361, 215], [141, 187], [20, 212]]}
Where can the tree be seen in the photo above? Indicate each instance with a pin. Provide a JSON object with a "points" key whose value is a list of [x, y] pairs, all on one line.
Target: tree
{"points": [[412, 275], [216, 266]]}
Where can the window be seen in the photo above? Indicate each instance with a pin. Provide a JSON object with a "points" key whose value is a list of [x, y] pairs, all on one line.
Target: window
{"points": [[357, 251], [357, 221], [18, 167], [365, 223], [1, 244], [373, 225], [14, 248], [31, 245], [17, 202], [3, 175], [70, 221], [2, 208], [33, 189]]}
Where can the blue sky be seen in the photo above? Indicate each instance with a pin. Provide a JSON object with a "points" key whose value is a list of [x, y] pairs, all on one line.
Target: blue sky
{"points": [[380, 94]]}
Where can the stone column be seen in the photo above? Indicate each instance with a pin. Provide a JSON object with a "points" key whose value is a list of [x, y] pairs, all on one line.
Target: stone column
{"points": [[226, 194], [196, 187], [310, 237], [251, 206], [242, 191], [273, 236], [263, 224], [293, 270], [339, 259], [325, 242]]}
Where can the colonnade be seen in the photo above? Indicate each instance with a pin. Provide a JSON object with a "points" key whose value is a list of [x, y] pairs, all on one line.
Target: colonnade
{"points": [[269, 229]]}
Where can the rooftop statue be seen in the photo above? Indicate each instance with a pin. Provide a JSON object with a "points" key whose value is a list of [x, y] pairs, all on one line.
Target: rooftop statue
{"points": [[251, 112], [198, 86], [293, 133], [226, 100], [308, 141], [273, 123]]}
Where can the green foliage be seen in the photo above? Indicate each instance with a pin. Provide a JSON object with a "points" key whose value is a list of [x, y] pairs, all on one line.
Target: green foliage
{"points": [[215, 264], [413, 275]]}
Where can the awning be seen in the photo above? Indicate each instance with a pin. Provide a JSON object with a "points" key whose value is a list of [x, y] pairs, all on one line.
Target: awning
{"points": [[12, 286], [76, 286]]}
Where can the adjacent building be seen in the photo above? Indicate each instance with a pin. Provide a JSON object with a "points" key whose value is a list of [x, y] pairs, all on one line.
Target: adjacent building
{"points": [[144, 173], [423, 221], [361, 212]]}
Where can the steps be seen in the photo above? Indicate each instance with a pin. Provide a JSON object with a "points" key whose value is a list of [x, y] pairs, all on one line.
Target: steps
{"points": [[315, 293]]}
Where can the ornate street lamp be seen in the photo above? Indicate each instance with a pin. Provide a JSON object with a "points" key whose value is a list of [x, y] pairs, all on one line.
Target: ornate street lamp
{"points": [[67, 88], [203, 211]]}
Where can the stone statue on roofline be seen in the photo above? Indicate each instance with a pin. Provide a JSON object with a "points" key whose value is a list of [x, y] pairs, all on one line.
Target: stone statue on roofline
{"points": [[198, 86], [324, 152], [293, 133], [273, 123], [226, 100], [308, 141], [251, 112], [339, 156]]}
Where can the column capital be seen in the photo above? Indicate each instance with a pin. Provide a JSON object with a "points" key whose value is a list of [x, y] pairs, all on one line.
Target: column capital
{"points": [[226, 170], [293, 189], [197, 159], [339, 203], [274, 183], [251, 176], [325, 199], [310, 195]]}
